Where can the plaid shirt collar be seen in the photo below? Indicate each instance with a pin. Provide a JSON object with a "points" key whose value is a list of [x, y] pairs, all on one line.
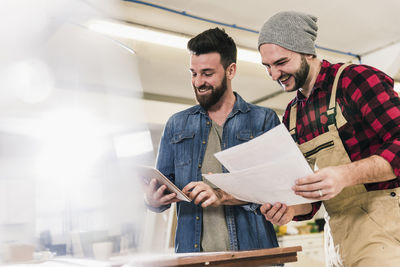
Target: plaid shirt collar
{"points": [[321, 83]]}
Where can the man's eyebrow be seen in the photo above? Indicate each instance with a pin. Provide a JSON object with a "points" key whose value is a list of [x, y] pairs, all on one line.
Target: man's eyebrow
{"points": [[202, 70], [280, 60]]}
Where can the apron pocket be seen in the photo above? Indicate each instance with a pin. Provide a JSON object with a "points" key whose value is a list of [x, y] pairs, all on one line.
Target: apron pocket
{"points": [[384, 211]]}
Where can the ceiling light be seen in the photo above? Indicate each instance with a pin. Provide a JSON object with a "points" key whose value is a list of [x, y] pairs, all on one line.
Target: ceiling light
{"points": [[140, 33]]}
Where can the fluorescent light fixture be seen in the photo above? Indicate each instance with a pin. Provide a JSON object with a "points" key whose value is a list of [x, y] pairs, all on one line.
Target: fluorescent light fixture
{"points": [[133, 144], [140, 33]]}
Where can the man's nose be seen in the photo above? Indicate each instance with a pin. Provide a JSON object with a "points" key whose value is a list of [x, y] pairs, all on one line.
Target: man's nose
{"points": [[198, 81], [274, 73]]}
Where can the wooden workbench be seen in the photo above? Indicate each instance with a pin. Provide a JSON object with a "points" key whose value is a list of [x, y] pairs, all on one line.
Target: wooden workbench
{"points": [[250, 258]]}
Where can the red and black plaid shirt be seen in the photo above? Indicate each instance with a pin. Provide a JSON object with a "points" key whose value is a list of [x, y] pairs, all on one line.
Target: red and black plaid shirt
{"points": [[371, 108]]}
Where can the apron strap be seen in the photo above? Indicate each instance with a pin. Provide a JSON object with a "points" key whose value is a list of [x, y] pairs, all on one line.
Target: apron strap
{"points": [[335, 116], [332, 102], [292, 122]]}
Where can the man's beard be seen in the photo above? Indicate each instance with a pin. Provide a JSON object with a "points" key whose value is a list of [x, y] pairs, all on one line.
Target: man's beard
{"points": [[300, 76], [207, 101]]}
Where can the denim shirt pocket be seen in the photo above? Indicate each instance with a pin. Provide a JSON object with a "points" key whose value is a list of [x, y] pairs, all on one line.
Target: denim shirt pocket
{"points": [[244, 136], [183, 146]]}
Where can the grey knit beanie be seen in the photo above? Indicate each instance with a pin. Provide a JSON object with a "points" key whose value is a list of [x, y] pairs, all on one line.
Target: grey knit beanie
{"points": [[292, 30]]}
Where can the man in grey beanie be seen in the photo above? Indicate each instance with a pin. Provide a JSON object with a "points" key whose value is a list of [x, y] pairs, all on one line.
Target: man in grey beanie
{"points": [[345, 120]]}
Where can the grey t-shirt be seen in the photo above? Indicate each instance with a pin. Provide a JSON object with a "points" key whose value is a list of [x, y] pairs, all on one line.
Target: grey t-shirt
{"points": [[215, 235]]}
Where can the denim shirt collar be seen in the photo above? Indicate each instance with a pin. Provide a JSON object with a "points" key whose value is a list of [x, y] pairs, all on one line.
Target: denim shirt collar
{"points": [[240, 105]]}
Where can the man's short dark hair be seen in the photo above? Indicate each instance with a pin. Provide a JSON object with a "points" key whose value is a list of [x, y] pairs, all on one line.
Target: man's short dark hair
{"points": [[214, 40]]}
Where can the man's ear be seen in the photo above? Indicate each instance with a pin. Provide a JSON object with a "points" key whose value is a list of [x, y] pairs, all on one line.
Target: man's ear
{"points": [[231, 71], [309, 57]]}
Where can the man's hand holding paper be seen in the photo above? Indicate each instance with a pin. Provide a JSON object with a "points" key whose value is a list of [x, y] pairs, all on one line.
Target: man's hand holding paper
{"points": [[263, 170]]}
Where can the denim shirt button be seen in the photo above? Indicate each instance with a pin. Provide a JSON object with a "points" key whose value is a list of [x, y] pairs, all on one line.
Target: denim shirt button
{"points": [[197, 218], [251, 137], [204, 142], [195, 245], [208, 123], [199, 165]]}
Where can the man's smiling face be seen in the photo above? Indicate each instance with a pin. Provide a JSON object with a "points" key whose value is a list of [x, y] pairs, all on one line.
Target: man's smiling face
{"points": [[208, 78], [288, 68]]}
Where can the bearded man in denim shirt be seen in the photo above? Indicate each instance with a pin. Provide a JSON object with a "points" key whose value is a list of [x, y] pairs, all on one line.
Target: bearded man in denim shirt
{"points": [[214, 220]]}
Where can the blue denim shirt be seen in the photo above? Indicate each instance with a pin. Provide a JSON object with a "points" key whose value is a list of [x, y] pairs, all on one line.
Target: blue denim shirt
{"points": [[180, 156]]}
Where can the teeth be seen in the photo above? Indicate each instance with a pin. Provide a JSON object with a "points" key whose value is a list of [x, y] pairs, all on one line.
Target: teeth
{"points": [[285, 78]]}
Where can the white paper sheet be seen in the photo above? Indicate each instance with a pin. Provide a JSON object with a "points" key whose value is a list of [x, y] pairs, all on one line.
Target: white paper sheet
{"points": [[264, 169], [272, 145]]}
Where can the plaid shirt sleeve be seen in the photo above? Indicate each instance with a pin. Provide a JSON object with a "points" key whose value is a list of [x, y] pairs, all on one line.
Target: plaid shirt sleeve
{"points": [[315, 207], [369, 92]]}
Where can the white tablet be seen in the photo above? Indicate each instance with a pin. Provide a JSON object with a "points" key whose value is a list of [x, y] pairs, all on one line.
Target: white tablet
{"points": [[147, 173]]}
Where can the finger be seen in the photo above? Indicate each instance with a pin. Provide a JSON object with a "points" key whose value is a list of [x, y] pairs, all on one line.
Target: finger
{"points": [[308, 187], [166, 199], [279, 215], [209, 202], [286, 218], [202, 196], [280, 210], [315, 195], [160, 192], [265, 207], [200, 187], [313, 178], [274, 209], [195, 191], [186, 190]]}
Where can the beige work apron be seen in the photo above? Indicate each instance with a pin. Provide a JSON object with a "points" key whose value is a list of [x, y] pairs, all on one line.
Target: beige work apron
{"points": [[365, 225]]}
